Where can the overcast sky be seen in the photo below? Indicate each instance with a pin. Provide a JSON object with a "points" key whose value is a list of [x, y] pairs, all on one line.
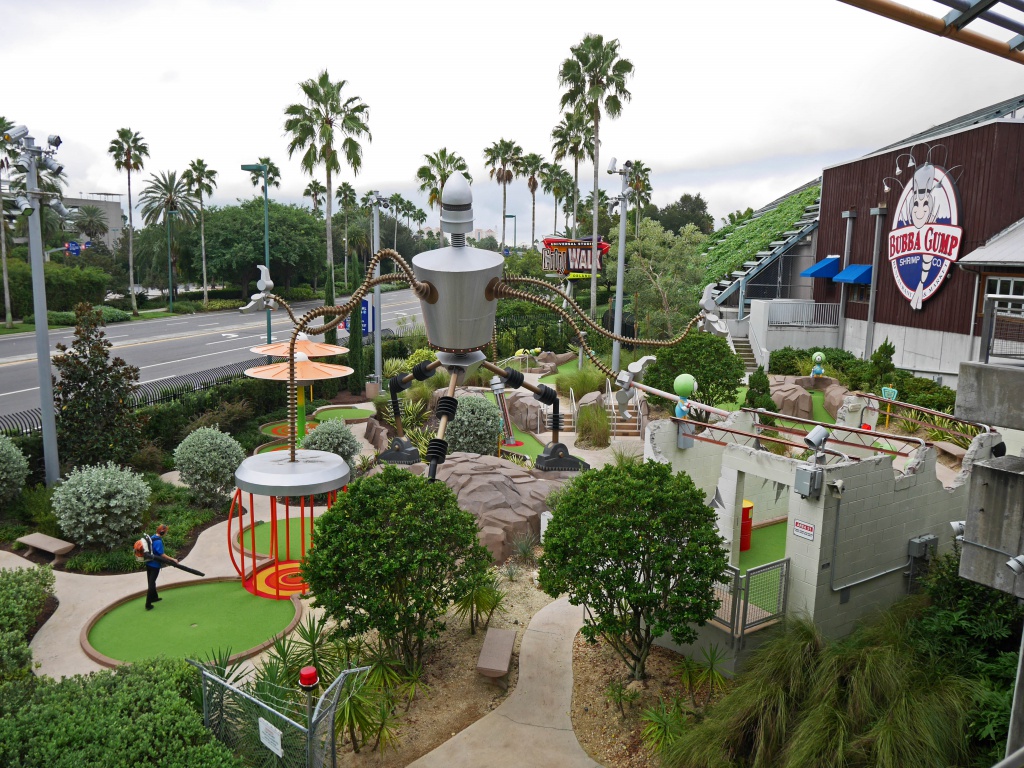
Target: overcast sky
{"points": [[740, 100]]}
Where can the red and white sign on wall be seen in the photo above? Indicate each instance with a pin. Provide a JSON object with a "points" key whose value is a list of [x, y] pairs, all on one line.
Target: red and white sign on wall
{"points": [[803, 530], [926, 237]]}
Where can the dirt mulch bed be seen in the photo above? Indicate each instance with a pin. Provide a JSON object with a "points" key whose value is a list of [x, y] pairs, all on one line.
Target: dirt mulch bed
{"points": [[49, 608], [600, 728], [457, 696]]}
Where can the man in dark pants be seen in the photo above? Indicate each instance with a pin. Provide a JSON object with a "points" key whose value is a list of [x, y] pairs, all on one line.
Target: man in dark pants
{"points": [[153, 566]]}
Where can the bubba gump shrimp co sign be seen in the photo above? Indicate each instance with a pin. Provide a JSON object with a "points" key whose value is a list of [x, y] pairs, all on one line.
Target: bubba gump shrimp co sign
{"points": [[926, 237]]}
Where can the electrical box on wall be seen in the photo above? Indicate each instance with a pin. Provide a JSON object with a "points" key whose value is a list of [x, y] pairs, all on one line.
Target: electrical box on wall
{"points": [[807, 482], [923, 546]]}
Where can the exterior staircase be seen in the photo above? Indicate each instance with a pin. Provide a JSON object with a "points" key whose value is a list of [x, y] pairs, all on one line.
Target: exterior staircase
{"points": [[745, 352]]}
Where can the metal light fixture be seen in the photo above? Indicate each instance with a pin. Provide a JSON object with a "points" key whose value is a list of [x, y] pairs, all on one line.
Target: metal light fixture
{"points": [[59, 208], [24, 206], [51, 165], [1016, 564], [16, 133], [54, 140], [958, 526]]}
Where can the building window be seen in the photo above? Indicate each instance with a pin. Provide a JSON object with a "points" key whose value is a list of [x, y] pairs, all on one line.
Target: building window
{"points": [[1005, 286], [858, 293]]}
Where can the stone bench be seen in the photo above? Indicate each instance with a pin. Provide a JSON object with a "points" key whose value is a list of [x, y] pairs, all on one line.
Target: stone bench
{"points": [[496, 655], [43, 543], [955, 451]]}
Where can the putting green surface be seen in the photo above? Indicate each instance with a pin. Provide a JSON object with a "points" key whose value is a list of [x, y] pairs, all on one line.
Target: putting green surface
{"points": [[767, 545], [531, 446], [572, 365], [189, 622], [343, 413], [293, 528]]}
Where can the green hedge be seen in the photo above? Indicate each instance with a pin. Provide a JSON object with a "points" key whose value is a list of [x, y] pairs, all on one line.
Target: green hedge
{"points": [[138, 714], [23, 591], [110, 315], [213, 293], [65, 286]]}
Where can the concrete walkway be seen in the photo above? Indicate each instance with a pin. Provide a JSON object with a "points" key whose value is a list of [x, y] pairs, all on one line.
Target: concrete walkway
{"points": [[532, 726]]}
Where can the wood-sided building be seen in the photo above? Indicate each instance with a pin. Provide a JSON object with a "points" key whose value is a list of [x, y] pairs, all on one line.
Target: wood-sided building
{"points": [[901, 226]]}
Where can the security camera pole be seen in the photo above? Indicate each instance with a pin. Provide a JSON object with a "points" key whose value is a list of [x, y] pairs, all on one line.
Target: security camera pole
{"points": [[376, 201], [29, 156], [622, 201]]}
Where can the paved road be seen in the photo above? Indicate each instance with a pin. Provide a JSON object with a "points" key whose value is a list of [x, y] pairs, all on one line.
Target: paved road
{"points": [[169, 347]]}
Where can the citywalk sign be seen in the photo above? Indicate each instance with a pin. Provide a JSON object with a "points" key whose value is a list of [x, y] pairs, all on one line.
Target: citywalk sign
{"points": [[570, 259], [926, 236]]}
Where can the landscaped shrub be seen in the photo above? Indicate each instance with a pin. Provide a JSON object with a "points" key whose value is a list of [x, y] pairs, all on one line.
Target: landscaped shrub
{"points": [[138, 714], [228, 416], [13, 470], [207, 460], [101, 505], [593, 429], [757, 386], [707, 358], [34, 506], [424, 355], [217, 305], [187, 308], [476, 427], [333, 437], [582, 381], [23, 591]]}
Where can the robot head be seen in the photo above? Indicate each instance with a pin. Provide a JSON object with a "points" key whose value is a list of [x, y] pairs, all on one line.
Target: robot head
{"points": [[818, 358], [457, 206], [685, 385]]}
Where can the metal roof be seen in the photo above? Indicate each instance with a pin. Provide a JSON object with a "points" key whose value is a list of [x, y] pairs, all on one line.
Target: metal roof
{"points": [[1005, 249]]}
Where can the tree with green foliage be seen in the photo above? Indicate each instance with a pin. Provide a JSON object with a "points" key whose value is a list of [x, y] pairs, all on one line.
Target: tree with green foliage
{"points": [[639, 547], [356, 382], [345, 196], [314, 128], [758, 388], [200, 181], [505, 159], [436, 171], [688, 209], [882, 367], [532, 167], [573, 137], [315, 192], [128, 149], [392, 555], [706, 357], [96, 417], [90, 221], [165, 196], [594, 78], [273, 175], [476, 427]]}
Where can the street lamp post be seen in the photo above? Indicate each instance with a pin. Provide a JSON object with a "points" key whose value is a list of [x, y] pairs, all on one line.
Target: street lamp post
{"points": [[515, 235], [623, 202], [170, 281], [377, 202], [263, 168]]}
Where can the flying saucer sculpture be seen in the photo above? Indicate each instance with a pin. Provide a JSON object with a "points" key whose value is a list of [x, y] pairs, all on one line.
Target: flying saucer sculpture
{"points": [[303, 344], [306, 372]]}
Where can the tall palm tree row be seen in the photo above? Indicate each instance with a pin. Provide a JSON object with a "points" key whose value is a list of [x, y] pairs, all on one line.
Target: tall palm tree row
{"points": [[128, 149], [532, 166], [594, 78], [163, 194], [315, 191], [346, 199], [505, 159], [557, 182], [5, 166], [315, 128], [273, 175], [200, 180], [573, 137], [397, 203], [433, 175]]}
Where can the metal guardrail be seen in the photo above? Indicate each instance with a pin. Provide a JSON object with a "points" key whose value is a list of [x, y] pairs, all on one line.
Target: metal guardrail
{"points": [[803, 313]]}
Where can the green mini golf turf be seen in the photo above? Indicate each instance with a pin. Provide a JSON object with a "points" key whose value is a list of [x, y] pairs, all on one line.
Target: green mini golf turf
{"points": [[294, 524], [343, 413], [531, 446], [767, 545], [280, 428], [572, 365], [189, 622]]}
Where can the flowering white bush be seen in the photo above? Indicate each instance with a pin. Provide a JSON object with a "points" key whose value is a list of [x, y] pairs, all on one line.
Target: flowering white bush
{"points": [[476, 427], [207, 460], [13, 469], [333, 437], [101, 505]]}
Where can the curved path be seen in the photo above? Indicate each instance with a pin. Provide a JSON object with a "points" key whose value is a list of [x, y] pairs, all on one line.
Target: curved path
{"points": [[532, 726]]}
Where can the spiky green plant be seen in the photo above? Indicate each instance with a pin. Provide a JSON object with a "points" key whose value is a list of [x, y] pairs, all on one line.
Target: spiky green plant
{"points": [[663, 725]]}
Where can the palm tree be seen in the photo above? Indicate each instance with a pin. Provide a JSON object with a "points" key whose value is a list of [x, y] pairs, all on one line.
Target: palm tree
{"points": [[505, 159], [346, 199], [532, 166], [5, 125], [640, 182], [91, 221], [315, 192], [573, 137], [433, 175], [128, 149], [314, 127], [594, 77], [397, 203], [163, 194], [273, 175], [200, 181], [557, 182], [420, 217]]}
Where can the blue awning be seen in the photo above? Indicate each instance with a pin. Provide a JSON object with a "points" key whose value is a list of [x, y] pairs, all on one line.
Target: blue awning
{"points": [[855, 273], [827, 267]]}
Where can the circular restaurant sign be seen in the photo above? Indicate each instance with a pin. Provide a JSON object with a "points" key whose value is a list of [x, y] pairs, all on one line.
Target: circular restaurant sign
{"points": [[926, 237]]}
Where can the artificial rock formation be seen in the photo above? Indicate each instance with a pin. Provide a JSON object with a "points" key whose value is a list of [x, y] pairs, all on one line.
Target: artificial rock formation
{"points": [[790, 398]]}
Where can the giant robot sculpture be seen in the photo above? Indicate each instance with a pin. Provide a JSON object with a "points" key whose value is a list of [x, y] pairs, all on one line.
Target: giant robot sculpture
{"points": [[458, 288]]}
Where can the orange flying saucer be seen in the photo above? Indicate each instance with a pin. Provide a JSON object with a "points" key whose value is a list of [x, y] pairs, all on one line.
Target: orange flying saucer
{"points": [[303, 345], [305, 370]]}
